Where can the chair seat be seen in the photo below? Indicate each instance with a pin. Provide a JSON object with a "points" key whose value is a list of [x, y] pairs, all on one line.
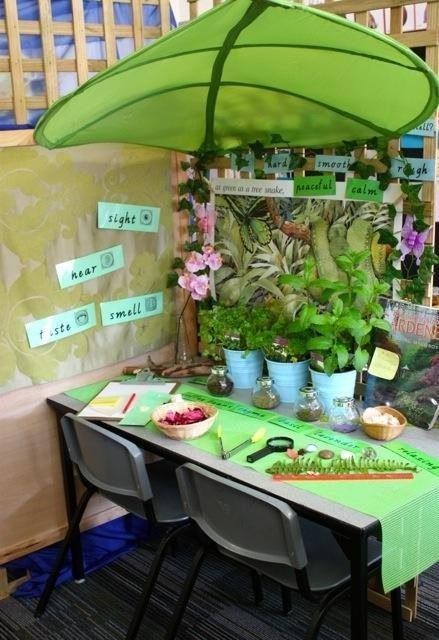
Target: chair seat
{"points": [[327, 567]]}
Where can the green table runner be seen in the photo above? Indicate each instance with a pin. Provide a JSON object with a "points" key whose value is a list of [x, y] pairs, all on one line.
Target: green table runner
{"points": [[408, 510]]}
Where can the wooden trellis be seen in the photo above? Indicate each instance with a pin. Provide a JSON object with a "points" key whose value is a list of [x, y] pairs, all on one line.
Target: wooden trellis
{"points": [[14, 66]]}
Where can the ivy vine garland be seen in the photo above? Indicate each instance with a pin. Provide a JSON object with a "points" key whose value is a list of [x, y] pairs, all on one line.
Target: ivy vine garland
{"points": [[413, 280]]}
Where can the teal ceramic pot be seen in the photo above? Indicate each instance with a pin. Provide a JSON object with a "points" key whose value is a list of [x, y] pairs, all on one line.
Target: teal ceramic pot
{"points": [[288, 377], [244, 367], [329, 387]]}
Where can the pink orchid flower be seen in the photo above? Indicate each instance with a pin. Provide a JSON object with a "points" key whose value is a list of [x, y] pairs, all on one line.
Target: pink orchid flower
{"points": [[205, 214], [211, 258], [198, 286], [195, 262], [412, 241]]}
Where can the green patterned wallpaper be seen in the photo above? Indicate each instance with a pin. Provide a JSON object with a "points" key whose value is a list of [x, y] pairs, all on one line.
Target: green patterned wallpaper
{"points": [[48, 214]]}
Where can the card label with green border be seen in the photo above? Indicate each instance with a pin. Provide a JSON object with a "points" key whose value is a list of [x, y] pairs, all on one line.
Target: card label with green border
{"points": [[368, 190], [428, 463], [89, 267], [311, 186], [291, 425], [228, 405], [61, 325], [128, 309], [338, 440], [128, 217]]}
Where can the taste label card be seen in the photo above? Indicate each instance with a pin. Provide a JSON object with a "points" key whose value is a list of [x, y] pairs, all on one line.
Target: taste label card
{"points": [[61, 325]]}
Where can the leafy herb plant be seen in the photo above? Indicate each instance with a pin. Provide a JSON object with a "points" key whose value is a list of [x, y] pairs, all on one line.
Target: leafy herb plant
{"points": [[338, 317]]}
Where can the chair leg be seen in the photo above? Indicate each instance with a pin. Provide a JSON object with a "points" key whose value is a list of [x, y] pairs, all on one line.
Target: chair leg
{"points": [[397, 625], [171, 631], [325, 604], [167, 541], [258, 593], [53, 576], [286, 600]]}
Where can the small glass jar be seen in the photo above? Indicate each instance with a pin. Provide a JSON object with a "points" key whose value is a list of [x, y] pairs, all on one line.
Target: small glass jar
{"points": [[308, 406], [264, 394], [344, 415], [219, 382]]}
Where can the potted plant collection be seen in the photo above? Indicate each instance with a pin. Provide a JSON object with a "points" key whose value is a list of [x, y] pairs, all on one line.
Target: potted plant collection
{"points": [[238, 332], [338, 317]]}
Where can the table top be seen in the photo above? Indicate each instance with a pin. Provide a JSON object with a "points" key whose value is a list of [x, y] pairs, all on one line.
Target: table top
{"points": [[338, 516]]}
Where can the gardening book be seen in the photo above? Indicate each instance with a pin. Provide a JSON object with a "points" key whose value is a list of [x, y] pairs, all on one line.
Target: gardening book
{"points": [[414, 387]]}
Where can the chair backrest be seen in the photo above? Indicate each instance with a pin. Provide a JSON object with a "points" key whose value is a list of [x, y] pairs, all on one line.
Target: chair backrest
{"points": [[242, 520], [112, 464]]}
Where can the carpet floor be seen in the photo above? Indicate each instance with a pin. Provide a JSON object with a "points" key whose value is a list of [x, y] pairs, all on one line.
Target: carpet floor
{"points": [[221, 607]]}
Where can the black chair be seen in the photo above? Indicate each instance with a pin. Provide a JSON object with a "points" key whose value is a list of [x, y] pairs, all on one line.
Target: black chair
{"points": [[115, 467], [265, 534]]}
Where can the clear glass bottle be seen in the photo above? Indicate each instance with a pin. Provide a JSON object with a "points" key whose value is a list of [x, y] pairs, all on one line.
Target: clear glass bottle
{"points": [[344, 415], [308, 406], [219, 382], [264, 394]]}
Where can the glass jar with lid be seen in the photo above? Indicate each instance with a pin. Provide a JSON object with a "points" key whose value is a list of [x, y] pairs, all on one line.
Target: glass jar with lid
{"points": [[308, 406], [219, 382], [264, 394], [344, 415]]}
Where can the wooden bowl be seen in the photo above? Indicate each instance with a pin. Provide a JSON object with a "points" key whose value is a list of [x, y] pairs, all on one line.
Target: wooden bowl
{"points": [[184, 431], [379, 431]]}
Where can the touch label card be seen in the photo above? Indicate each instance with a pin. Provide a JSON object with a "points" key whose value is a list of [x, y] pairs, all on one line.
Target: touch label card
{"points": [[421, 169], [128, 309], [128, 217], [61, 325], [277, 163], [338, 164], [384, 364], [427, 129], [311, 186], [89, 267], [369, 190]]}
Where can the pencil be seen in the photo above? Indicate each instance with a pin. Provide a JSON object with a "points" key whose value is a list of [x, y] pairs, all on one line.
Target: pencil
{"points": [[129, 403]]}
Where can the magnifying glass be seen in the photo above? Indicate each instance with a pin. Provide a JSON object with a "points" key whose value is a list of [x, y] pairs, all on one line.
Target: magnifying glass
{"points": [[272, 446]]}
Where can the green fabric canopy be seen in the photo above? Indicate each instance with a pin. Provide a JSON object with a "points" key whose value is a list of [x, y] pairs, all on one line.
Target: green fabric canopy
{"points": [[245, 71]]}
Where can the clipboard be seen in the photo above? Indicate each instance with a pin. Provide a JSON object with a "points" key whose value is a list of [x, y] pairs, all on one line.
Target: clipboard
{"points": [[116, 399]]}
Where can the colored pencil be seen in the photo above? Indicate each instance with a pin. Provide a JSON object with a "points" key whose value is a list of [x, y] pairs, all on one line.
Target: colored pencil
{"points": [[129, 403]]}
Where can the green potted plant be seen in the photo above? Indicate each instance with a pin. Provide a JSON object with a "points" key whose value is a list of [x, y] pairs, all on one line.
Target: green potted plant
{"points": [[338, 318], [237, 332], [286, 353]]}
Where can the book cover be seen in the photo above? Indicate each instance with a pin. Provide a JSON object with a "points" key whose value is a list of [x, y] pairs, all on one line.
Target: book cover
{"points": [[414, 390]]}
